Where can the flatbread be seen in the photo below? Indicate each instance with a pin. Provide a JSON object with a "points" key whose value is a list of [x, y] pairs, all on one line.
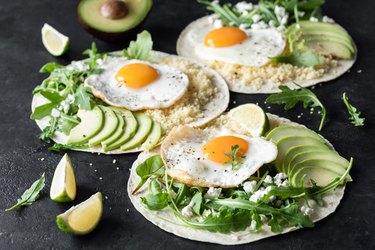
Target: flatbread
{"points": [[186, 48], [211, 110], [166, 220]]}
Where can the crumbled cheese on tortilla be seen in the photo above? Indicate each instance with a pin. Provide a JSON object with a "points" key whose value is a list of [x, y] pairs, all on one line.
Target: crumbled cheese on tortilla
{"points": [[190, 107], [278, 73]]}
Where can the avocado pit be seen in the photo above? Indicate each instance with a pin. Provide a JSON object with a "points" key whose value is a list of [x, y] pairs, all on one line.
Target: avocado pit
{"points": [[114, 9]]}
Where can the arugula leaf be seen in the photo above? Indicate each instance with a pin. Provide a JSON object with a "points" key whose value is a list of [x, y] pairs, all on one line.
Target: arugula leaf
{"points": [[151, 166], [52, 96], [182, 193], [83, 97], [49, 67], [141, 48], [290, 97], [68, 123], [235, 158], [58, 146], [197, 199], [30, 195], [49, 131], [155, 201], [307, 59], [353, 112], [43, 110]]}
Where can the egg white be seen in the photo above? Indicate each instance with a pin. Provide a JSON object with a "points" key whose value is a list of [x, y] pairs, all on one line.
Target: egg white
{"points": [[171, 85], [256, 50], [185, 155]]}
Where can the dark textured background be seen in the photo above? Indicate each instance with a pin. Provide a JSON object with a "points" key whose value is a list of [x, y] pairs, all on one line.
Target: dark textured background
{"points": [[21, 56]]}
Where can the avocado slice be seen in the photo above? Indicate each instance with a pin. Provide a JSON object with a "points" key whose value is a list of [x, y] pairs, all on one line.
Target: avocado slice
{"points": [[91, 123], [112, 20], [322, 176], [144, 128], [321, 155], [284, 144], [153, 138], [284, 131], [324, 38], [109, 127], [116, 134], [129, 131], [293, 151]]}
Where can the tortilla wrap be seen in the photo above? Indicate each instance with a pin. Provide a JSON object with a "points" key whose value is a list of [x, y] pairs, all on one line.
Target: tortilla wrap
{"points": [[185, 48], [211, 110], [166, 220]]}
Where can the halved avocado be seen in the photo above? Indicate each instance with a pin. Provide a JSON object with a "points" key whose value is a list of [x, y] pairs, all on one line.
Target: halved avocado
{"points": [[113, 20]]}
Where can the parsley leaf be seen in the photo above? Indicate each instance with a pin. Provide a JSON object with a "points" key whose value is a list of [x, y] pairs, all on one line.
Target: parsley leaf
{"points": [[290, 97], [141, 48], [307, 59], [355, 118], [235, 158], [30, 195]]}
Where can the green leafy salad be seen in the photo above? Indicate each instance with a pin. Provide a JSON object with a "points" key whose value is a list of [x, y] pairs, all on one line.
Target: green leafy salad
{"points": [[260, 200]]}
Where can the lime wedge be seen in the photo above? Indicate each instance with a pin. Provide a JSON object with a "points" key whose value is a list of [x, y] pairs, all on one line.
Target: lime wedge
{"points": [[55, 42], [83, 218], [63, 187], [251, 117]]}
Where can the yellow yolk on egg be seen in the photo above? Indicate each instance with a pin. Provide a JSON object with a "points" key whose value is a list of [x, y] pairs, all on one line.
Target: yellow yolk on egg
{"points": [[218, 148], [225, 36], [136, 75]]}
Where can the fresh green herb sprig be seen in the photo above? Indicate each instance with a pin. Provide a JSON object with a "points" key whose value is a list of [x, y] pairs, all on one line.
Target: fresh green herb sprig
{"points": [[232, 211], [141, 48], [235, 158], [30, 195], [297, 58], [290, 97], [354, 118]]}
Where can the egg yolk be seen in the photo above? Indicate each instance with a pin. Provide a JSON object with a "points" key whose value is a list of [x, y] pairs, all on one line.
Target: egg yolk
{"points": [[136, 75], [219, 149], [225, 36]]}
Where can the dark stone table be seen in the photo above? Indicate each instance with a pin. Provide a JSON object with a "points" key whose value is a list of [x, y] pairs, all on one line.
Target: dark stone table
{"points": [[21, 153]]}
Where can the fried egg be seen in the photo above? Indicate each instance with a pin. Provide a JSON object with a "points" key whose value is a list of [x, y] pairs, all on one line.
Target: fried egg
{"points": [[236, 46], [137, 85], [205, 157]]}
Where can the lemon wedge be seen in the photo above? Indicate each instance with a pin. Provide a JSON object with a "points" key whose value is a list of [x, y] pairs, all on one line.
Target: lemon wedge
{"points": [[63, 187], [83, 218], [250, 117], [55, 42]]}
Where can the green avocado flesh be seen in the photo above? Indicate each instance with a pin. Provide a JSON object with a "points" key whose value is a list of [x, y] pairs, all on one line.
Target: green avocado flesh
{"points": [[91, 123], [109, 127], [90, 14], [144, 129], [116, 134], [304, 156], [325, 38]]}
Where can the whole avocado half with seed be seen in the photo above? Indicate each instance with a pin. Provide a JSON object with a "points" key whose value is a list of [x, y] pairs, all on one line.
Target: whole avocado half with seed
{"points": [[113, 20]]}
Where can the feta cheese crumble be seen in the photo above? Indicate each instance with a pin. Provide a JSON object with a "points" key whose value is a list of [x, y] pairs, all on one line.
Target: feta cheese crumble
{"points": [[249, 186], [213, 193]]}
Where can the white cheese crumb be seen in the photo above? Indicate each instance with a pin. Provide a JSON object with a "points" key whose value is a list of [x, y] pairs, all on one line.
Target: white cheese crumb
{"points": [[90, 164], [263, 218], [256, 18], [117, 168], [218, 24], [55, 113], [127, 210], [285, 183], [212, 193], [244, 6], [259, 194], [114, 161], [42, 159], [253, 225], [259, 26], [359, 71], [327, 20], [249, 186], [188, 210], [314, 19], [298, 116], [272, 198], [306, 210], [280, 11], [268, 179], [106, 197], [100, 178]]}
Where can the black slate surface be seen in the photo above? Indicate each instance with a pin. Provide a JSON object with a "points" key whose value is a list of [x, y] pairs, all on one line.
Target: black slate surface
{"points": [[21, 56]]}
